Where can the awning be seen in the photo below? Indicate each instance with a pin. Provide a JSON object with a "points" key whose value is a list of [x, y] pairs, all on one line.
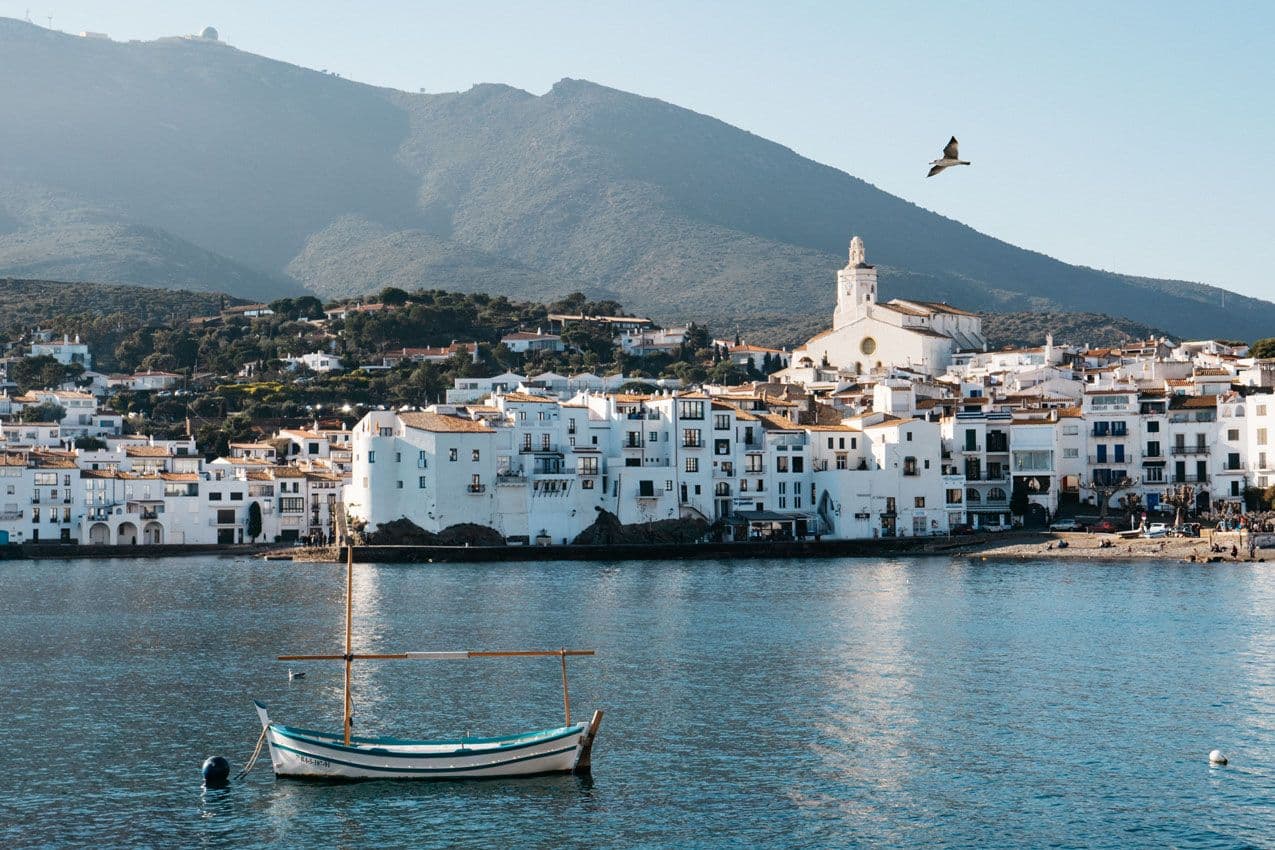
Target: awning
{"points": [[769, 516]]}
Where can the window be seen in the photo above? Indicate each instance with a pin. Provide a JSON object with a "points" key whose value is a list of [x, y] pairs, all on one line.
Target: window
{"points": [[398, 457], [294, 505], [909, 466], [214, 497], [1153, 427], [783, 487], [1261, 436], [798, 464], [721, 421], [421, 460], [474, 455], [668, 484], [236, 497], [587, 484], [371, 457], [953, 496], [830, 442], [690, 410], [721, 447], [646, 489], [783, 502], [908, 434], [841, 460], [544, 442], [1261, 410], [781, 464], [996, 494], [398, 485], [692, 464], [918, 502], [587, 466], [796, 501], [453, 454], [1070, 430], [1232, 433], [1071, 453], [526, 442], [691, 438], [475, 483], [420, 482]]}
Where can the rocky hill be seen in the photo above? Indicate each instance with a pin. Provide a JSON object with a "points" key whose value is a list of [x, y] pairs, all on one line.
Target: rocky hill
{"points": [[226, 170]]}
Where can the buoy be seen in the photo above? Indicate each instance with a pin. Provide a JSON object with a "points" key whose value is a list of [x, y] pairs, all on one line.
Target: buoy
{"points": [[216, 772], [1216, 757]]}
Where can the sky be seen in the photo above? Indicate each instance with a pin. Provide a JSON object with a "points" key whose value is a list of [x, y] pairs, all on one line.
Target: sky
{"points": [[1124, 136]]}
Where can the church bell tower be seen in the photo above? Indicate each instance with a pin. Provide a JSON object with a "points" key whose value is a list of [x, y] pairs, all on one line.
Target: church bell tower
{"points": [[856, 287]]}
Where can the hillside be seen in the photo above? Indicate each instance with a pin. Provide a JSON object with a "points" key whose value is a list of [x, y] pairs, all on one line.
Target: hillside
{"points": [[25, 304], [236, 172]]}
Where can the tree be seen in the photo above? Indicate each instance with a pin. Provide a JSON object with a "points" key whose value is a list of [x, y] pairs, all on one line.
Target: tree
{"points": [[1019, 503], [89, 444], [254, 521], [393, 296], [1104, 490], [48, 412], [1263, 348], [43, 372]]}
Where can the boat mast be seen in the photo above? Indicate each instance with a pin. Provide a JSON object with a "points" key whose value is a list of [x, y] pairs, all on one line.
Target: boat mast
{"points": [[566, 700], [349, 633]]}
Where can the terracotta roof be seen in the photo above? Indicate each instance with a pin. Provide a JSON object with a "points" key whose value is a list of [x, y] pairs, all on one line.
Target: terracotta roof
{"points": [[905, 309], [528, 398], [146, 451], [439, 422], [940, 307], [888, 421], [770, 421], [179, 476], [1192, 401]]}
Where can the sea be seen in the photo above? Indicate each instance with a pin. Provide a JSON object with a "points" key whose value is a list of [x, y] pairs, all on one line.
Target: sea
{"points": [[788, 703]]}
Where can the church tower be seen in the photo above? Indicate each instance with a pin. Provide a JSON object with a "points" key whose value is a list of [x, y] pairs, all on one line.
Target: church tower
{"points": [[856, 287]]}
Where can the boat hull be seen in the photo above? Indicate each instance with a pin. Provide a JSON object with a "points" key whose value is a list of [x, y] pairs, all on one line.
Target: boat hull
{"points": [[305, 753]]}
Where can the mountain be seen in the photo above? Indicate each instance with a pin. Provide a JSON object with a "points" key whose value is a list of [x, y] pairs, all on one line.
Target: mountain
{"points": [[236, 172]]}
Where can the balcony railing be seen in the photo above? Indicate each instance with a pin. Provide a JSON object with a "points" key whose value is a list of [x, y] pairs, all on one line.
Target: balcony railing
{"points": [[476, 488], [1190, 479], [1108, 460], [1191, 450]]}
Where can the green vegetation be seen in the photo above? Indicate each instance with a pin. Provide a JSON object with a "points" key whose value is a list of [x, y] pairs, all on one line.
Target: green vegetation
{"points": [[1263, 348]]}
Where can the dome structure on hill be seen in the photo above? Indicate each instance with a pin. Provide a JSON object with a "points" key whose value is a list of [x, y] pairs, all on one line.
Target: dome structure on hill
{"points": [[208, 33]]}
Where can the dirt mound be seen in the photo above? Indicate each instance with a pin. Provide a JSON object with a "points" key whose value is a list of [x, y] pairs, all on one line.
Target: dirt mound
{"points": [[470, 534], [606, 530], [404, 532]]}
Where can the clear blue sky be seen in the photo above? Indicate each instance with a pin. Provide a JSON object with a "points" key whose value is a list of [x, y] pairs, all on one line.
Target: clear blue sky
{"points": [[1127, 136]]}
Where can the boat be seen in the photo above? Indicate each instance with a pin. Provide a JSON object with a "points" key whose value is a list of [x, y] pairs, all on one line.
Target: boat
{"points": [[306, 753]]}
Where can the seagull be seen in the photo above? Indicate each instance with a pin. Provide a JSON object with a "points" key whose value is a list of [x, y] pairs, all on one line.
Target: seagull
{"points": [[292, 674], [950, 157]]}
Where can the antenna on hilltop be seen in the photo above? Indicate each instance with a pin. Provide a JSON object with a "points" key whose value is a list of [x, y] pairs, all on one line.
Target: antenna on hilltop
{"points": [[50, 20]]}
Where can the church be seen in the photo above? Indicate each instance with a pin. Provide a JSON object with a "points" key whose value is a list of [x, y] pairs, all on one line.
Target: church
{"points": [[867, 335]]}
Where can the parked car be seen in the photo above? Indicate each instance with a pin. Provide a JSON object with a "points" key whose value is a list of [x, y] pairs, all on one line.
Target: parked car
{"points": [[1103, 526], [1156, 529], [962, 528], [1187, 530], [995, 529], [1066, 525]]}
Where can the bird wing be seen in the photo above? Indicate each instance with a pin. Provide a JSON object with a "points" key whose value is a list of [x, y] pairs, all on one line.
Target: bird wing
{"points": [[949, 152], [935, 170]]}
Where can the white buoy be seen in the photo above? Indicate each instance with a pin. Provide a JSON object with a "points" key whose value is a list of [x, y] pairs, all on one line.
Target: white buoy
{"points": [[1216, 757]]}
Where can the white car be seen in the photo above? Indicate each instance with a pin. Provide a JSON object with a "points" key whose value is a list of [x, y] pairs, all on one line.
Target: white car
{"points": [[1066, 525], [1156, 529]]}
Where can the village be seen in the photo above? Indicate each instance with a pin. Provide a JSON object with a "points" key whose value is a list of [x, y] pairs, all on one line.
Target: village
{"points": [[898, 422]]}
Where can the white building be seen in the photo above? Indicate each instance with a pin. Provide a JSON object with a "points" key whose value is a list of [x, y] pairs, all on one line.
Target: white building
{"points": [[867, 335]]}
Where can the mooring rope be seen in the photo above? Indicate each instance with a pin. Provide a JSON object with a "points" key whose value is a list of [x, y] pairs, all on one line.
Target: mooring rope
{"points": [[252, 760]]}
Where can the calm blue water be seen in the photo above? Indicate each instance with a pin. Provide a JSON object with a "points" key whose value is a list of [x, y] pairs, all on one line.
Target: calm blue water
{"points": [[820, 704]]}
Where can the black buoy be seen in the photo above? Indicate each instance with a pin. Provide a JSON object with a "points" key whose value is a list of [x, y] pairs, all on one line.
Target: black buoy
{"points": [[216, 772]]}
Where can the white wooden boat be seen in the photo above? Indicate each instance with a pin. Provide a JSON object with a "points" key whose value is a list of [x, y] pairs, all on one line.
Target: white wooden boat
{"points": [[306, 753], [296, 752]]}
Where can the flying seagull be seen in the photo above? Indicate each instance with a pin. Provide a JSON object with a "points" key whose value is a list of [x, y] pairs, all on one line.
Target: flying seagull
{"points": [[950, 157]]}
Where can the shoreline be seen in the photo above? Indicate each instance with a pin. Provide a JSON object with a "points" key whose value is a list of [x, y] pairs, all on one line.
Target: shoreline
{"points": [[1034, 545]]}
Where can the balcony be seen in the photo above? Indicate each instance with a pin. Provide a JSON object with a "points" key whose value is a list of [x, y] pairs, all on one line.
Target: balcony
{"points": [[1191, 450], [1108, 460], [723, 473], [968, 449], [216, 523], [1190, 479], [476, 488], [542, 449], [10, 515]]}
